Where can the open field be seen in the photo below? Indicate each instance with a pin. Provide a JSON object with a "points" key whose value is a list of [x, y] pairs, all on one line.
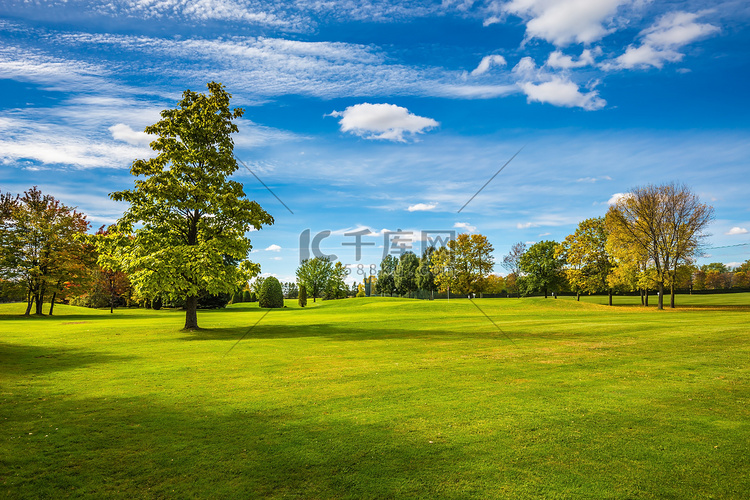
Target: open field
{"points": [[380, 398]]}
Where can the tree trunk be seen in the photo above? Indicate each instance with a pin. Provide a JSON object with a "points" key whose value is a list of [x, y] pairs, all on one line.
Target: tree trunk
{"points": [[645, 292], [610, 296], [52, 303], [660, 305], [29, 303], [671, 296], [641, 290], [545, 292], [191, 313], [578, 296], [39, 304]]}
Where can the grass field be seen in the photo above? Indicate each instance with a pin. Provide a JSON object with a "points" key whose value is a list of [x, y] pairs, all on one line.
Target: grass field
{"points": [[380, 398]]}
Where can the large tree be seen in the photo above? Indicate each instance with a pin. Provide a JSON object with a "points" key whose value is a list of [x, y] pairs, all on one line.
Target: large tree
{"points": [[184, 231], [386, 282], [542, 268], [406, 273], [463, 264], [425, 276], [588, 264], [315, 275], [666, 223]]}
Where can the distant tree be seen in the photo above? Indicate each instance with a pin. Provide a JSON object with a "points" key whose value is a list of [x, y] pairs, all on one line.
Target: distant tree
{"points": [[270, 295], [542, 268], [302, 300], [386, 283], [315, 274], [463, 264], [588, 263], [187, 220], [290, 290], [247, 296], [256, 284], [666, 223], [494, 284], [336, 286], [406, 273], [425, 276], [361, 293], [512, 262]]}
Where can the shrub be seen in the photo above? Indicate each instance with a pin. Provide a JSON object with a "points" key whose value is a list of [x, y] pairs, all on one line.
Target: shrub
{"points": [[270, 294], [302, 300], [361, 293]]}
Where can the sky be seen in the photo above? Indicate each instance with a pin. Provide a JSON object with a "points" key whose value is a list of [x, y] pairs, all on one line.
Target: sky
{"points": [[382, 122]]}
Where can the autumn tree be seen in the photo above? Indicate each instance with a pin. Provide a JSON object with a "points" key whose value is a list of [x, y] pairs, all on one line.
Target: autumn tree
{"points": [[42, 246], [542, 268], [463, 264], [184, 230], [512, 262], [588, 264], [666, 223]]}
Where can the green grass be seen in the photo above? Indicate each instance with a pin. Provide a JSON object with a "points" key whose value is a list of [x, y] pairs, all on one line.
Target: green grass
{"points": [[380, 398]]}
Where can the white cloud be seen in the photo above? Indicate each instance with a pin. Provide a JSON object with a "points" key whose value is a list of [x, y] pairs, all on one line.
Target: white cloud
{"points": [[737, 230], [562, 61], [661, 41], [465, 226], [615, 198], [273, 248], [382, 121], [422, 207], [124, 133], [542, 86], [563, 22], [526, 225], [561, 92], [487, 62]]}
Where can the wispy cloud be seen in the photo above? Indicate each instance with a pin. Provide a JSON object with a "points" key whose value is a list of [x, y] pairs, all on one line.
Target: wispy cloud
{"points": [[422, 207], [465, 226]]}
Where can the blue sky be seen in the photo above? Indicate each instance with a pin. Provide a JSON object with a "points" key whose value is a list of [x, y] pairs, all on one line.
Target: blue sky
{"points": [[386, 116]]}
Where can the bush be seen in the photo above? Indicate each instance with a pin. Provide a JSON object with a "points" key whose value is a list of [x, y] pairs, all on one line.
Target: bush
{"points": [[361, 293], [302, 300], [270, 294]]}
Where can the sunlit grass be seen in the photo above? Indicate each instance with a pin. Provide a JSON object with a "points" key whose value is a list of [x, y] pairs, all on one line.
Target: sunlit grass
{"points": [[380, 398]]}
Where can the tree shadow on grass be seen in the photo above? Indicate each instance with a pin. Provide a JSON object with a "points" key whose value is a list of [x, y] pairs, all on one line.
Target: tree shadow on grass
{"points": [[17, 359], [127, 447]]}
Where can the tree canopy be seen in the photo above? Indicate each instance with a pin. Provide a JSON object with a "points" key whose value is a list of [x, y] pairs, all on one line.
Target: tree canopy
{"points": [[184, 230], [542, 268], [463, 263]]}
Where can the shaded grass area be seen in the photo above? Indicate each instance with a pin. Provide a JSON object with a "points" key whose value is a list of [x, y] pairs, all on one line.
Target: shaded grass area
{"points": [[380, 398]]}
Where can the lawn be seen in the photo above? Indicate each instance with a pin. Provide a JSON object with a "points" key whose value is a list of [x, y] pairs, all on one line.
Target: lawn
{"points": [[380, 398]]}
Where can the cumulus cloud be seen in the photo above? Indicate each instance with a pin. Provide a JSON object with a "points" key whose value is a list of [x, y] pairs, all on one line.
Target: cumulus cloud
{"points": [[273, 248], [661, 41], [124, 133], [422, 207], [562, 61], [382, 121], [563, 22], [558, 90], [737, 230], [465, 226], [487, 62]]}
